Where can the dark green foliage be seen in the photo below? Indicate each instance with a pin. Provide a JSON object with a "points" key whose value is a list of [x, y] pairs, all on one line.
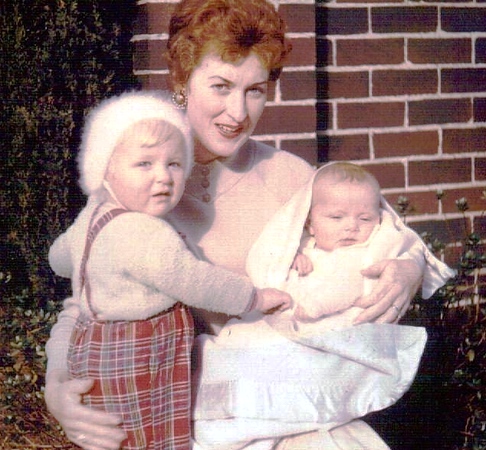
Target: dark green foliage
{"points": [[446, 408], [57, 59]]}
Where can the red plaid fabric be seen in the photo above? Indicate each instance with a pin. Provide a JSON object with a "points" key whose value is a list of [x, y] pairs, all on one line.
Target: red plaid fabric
{"points": [[142, 373]]}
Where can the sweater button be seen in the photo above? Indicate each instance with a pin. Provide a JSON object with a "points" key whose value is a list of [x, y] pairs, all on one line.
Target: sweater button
{"points": [[206, 198]]}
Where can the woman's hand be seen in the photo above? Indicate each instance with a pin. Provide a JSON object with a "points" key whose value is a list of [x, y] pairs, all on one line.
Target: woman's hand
{"points": [[88, 428], [398, 281]]}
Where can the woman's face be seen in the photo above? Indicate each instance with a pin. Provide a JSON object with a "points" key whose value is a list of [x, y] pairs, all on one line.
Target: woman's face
{"points": [[224, 103]]}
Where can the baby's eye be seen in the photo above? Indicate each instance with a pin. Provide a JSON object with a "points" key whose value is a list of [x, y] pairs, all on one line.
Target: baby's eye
{"points": [[175, 164], [336, 217], [365, 219], [144, 164]]}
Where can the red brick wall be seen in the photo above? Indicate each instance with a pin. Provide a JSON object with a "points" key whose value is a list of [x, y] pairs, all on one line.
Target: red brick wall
{"points": [[398, 87], [402, 90]]}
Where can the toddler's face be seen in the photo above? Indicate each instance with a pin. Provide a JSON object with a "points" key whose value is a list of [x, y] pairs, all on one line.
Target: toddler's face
{"points": [[148, 179], [343, 213]]}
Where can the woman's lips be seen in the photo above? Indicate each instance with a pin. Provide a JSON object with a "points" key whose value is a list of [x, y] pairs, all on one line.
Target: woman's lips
{"points": [[228, 131]]}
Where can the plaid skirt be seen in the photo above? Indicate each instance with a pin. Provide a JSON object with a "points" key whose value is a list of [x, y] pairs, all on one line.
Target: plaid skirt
{"points": [[142, 373]]}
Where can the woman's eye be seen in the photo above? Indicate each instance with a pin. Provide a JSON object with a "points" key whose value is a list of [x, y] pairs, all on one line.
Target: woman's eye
{"points": [[257, 91], [175, 164], [221, 87]]}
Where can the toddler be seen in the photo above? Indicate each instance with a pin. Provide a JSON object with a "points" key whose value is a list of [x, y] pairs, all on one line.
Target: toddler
{"points": [[134, 274]]}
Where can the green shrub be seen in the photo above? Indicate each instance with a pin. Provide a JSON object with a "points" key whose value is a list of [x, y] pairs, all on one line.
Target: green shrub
{"points": [[57, 59]]}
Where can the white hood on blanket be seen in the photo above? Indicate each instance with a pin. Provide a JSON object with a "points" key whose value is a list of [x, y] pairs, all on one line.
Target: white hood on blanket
{"points": [[271, 256]]}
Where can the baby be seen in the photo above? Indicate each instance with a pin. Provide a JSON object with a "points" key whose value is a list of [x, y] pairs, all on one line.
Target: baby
{"points": [[133, 274], [312, 368], [345, 214]]}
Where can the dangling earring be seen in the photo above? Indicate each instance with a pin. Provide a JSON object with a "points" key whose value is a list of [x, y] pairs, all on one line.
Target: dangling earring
{"points": [[179, 99]]}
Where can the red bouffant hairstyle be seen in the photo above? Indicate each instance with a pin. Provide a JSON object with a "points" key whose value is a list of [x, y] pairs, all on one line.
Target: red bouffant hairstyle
{"points": [[231, 29]]}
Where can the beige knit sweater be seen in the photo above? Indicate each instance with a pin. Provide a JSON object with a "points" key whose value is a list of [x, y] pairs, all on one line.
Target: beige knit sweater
{"points": [[245, 191]]}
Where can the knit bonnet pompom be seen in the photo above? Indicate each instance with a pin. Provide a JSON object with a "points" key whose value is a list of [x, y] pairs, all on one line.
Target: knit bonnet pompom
{"points": [[106, 124]]}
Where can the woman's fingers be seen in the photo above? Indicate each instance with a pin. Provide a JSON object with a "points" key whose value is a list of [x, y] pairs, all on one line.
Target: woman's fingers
{"points": [[398, 280], [86, 427]]}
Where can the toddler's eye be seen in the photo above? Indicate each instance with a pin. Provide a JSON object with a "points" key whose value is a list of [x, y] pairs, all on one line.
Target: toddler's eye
{"points": [[144, 164]]}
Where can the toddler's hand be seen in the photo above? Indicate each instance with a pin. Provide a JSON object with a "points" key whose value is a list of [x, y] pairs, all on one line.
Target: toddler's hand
{"points": [[270, 300], [302, 264]]}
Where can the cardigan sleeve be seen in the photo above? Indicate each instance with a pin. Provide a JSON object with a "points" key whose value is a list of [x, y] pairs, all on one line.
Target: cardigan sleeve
{"points": [[58, 344], [148, 255]]}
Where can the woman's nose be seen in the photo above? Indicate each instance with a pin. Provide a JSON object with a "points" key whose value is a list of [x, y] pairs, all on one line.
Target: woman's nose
{"points": [[236, 107]]}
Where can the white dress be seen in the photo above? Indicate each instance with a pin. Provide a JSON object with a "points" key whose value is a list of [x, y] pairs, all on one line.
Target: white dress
{"points": [[266, 377]]}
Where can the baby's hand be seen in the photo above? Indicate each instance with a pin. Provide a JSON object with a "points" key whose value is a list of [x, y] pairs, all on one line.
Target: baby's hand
{"points": [[270, 300], [302, 264]]}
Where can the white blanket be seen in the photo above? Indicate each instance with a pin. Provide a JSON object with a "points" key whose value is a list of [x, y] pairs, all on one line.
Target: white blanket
{"points": [[266, 377]]}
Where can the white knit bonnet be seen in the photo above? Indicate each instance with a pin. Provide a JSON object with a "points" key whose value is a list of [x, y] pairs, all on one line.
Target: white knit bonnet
{"points": [[106, 124]]}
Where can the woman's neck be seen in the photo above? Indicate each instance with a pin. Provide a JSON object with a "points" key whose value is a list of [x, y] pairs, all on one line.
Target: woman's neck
{"points": [[202, 155]]}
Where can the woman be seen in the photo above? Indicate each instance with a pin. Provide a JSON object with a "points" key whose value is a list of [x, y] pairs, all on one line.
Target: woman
{"points": [[222, 56]]}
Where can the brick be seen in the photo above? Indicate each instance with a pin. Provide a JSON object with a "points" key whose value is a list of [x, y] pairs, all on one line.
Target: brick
{"points": [[446, 231], [422, 173], [358, 52], [404, 82], [324, 52], [480, 50], [474, 197], [305, 148], [391, 175], [149, 55], [480, 227], [303, 52], [463, 80], [420, 202], [479, 107], [153, 18], [343, 85], [154, 81], [341, 21], [406, 143], [298, 85], [463, 20], [464, 140], [365, 115], [439, 51], [287, 119], [480, 170], [439, 111], [419, 19], [324, 112], [299, 18], [343, 148]]}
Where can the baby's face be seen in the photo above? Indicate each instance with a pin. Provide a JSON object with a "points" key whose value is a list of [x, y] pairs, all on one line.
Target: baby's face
{"points": [[148, 179], [343, 213]]}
